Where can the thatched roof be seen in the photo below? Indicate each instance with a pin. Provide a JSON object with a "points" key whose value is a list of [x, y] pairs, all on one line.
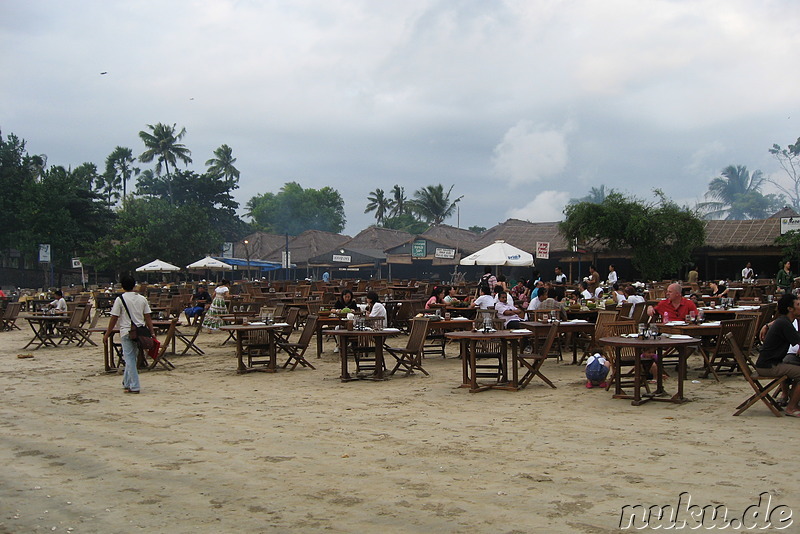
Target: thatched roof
{"points": [[376, 238], [785, 211], [260, 244], [307, 245], [525, 235], [742, 234], [463, 240]]}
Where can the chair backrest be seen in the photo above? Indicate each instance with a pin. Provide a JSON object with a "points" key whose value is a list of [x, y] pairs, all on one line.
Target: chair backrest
{"points": [[168, 337], [419, 330], [738, 328], [280, 309], [309, 330], [12, 311], [481, 315], [603, 319], [624, 309], [741, 361], [639, 312], [548, 342], [618, 328], [755, 324], [657, 293], [291, 320], [76, 319]]}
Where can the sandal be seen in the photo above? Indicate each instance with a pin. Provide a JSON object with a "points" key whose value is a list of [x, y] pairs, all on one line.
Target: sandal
{"points": [[792, 414]]}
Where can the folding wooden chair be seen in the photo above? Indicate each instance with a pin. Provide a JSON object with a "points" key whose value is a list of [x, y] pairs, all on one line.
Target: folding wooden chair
{"points": [[629, 358], [190, 342], [410, 356], [161, 358], [9, 319], [762, 392], [296, 351], [76, 330], [722, 360], [363, 348], [532, 363], [604, 318], [282, 335]]}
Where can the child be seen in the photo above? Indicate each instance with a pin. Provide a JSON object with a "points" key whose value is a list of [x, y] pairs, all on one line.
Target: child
{"points": [[597, 369]]}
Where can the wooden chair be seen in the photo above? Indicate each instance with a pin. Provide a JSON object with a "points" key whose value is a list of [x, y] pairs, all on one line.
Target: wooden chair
{"points": [[761, 392], [256, 346], [624, 310], [639, 313], [9, 319], [76, 329], [296, 351], [363, 348], [161, 358], [410, 356], [751, 337], [604, 318], [722, 359], [629, 358], [190, 342], [532, 363], [282, 335]]}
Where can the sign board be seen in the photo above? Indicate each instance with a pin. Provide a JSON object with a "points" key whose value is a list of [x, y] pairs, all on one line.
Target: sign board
{"points": [[542, 250], [286, 259], [227, 250], [445, 253], [789, 223], [419, 249], [341, 258], [76, 263], [44, 253]]}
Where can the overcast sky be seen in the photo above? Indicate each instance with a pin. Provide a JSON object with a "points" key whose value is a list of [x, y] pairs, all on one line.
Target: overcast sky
{"points": [[521, 104]]}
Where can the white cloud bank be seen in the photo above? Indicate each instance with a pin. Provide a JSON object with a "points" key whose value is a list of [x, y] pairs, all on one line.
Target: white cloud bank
{"points": [[530, 153], [547, 206]]}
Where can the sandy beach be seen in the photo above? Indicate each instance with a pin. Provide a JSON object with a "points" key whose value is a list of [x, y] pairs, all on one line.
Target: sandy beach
{"points": [[204, 449]]}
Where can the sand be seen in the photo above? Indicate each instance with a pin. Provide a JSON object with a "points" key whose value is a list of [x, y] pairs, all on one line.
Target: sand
{"points": [[204, 449]]}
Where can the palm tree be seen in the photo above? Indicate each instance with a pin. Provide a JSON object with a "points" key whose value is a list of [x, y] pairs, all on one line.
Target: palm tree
{"points": [[118, 167], [736, 194], [433, 204], [222, 164], [398, 201], [380, 204], [595, 196], [162, 143]]}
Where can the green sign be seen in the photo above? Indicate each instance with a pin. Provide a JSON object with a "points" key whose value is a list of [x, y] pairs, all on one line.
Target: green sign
{"points": [[419, 249]]}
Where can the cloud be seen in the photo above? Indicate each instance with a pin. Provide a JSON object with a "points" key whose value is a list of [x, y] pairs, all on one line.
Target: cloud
{"points": [[547, 206], [530, 153], [705, 158]]}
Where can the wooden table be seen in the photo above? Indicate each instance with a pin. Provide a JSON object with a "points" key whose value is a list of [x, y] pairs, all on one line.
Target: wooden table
{"points": [[658, 344], [718, 314], [239, 330], [703, 330], [347, 335], [44, 329], [109, 350], [573, 327], [327, 321], [445, 326], [468, 341]]}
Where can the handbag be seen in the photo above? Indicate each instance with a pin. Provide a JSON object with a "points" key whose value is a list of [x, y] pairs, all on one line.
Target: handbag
{"points": [[140, 334]]}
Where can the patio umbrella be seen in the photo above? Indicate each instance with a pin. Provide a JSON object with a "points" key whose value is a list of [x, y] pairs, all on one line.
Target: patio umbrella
{"points": [[499, 253], [210, 264], [157, 266]]}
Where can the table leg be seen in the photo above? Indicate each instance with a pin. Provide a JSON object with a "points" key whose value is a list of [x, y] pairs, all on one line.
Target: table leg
{"points": [[473, 366], [379, 358], [618, 373], [504, 361], [464, 349], [319, 340], [343, 343], [241, 368], [514, 364], [106, 362], [273, 351]]}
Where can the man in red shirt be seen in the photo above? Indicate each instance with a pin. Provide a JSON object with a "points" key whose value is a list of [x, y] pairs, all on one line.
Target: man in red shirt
{"points": [[674, 307]]}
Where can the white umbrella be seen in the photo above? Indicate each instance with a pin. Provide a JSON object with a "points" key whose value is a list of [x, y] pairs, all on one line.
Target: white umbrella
{"points": [[209, 263], [499, 253], [157, 266]]}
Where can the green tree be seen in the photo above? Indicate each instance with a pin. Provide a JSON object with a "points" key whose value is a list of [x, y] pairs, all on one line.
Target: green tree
{"points": [[119, 168], [399, 201], [477, 229], [294, 210], [789, 160], [17, 174], [380, 204], [162, 143], [660, 235], [596, 195], [736, 194], [407, 223], [432, 204], [222, 164]]}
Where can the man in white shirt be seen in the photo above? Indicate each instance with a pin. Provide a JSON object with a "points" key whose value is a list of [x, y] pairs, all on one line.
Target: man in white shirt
{"points": [[612, 275], [59, 305], [507, 311], [485, 300], [133, 312], [747, 273]]}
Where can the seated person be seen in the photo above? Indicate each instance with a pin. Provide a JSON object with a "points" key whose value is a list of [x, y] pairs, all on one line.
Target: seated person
{"points": [[485, 300], [58, 305], [633, 296], [345, 300], [778, 336], [450, 298], [436, 300], [543, 301], [673, 308], [201, 299], [506, 311], [617, 294], [520, 293], [374, 306], [585, 293], [718, 290], [597, 369]]}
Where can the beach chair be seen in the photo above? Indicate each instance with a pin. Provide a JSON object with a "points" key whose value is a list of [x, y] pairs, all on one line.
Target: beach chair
{"points": [[722, 360], [532, 363], [297, 350], [761, 392], [410, 356], [9, 319], [168, 339]]}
